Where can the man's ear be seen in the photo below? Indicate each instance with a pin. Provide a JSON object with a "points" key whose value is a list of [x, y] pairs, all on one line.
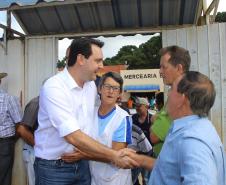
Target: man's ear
{"points": [[180, 68], [186, 101], [181, 101], [80, 59]]}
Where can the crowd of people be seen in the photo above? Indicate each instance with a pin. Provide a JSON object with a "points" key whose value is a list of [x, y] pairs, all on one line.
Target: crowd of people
{"points": [[76, 133]]}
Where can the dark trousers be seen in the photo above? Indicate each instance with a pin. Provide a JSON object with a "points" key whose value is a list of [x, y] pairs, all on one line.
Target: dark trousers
{"points": [[6, 160]]}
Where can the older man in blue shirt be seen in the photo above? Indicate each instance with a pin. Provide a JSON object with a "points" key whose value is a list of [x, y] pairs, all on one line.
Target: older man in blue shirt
{"points": [[192, 153]]}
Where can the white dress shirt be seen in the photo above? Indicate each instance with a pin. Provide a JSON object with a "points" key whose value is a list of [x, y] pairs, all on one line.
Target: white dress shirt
{"points": [[64, 107]]}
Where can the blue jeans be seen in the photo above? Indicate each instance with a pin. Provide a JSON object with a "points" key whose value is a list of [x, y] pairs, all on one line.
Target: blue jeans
{"points": [[58, 172]]}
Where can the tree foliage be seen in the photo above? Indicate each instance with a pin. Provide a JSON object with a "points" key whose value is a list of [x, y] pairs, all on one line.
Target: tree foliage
{"points": [[61, 63], [220, 17], [144, 57]]}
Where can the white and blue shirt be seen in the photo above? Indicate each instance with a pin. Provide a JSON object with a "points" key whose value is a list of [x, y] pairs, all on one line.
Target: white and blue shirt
{"points": [[113, 127], [122, 133]]}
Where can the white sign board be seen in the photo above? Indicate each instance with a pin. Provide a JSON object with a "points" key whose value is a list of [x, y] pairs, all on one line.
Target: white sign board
{"points": [[145, 80]]}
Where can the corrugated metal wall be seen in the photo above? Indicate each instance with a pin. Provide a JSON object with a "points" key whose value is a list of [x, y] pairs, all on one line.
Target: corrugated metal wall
{"points": [[12, 62], [40, 63], [207, 46], [28, 65]]}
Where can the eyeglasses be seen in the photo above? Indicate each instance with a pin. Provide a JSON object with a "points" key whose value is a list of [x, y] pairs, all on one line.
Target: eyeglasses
{"points": [[109, 87]]}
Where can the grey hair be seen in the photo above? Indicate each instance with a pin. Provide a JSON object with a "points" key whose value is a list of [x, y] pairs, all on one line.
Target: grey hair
{"points": [[113, 75], [199, 90]]}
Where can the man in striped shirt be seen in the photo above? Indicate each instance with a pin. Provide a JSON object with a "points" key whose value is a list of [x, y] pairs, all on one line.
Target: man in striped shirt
{"points": [[141, 145], [10, 115]]}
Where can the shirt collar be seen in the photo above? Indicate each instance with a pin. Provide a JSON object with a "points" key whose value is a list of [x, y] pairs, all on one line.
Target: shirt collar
{"points": [[71, 83], [182, 122]]}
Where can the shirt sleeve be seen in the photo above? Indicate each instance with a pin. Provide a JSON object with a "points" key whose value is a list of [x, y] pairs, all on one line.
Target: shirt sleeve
{"points": [[143, 144], [161, 125], [124, 132], [59, 108], [30, 113], [15, 109], [197, 166]]}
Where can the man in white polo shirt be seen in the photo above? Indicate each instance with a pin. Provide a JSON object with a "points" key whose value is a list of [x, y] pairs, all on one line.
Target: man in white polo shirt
{"points": [[66, 111]]}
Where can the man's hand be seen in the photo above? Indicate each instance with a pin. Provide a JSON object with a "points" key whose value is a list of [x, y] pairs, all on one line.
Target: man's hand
{"points": [[141, 160], [72, 157], [23, 131], [132, 155], [121, 160]]}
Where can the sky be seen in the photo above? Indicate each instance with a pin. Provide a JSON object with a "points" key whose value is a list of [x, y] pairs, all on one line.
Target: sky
{"points": [[112, 44]]}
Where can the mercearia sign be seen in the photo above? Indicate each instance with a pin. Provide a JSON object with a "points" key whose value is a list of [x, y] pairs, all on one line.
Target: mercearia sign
{"points": [[142, 80]]}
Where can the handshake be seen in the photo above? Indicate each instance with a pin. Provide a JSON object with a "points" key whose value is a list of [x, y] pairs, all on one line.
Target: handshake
{"points": [[124, 158], [127, 158]]}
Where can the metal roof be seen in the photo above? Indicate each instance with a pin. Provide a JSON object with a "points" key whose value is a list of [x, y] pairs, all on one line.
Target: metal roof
{"points": [[101, 17]]}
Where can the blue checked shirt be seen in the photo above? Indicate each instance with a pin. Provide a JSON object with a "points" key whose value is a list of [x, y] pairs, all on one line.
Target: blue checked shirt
{"points": [[10, 114]]}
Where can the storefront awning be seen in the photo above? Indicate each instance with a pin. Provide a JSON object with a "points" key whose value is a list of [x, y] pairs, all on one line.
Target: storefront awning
{"points": [[141, 88]]}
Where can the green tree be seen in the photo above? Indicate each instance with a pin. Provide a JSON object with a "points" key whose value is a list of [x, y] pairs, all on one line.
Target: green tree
{"points": [[220, 17], [61, 63], [139, 60], [122, 57], [151, 51], [144, 57]]}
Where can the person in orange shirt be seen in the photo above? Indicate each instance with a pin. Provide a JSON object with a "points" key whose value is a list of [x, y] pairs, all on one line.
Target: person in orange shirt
{"points": [[130, 103]]}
